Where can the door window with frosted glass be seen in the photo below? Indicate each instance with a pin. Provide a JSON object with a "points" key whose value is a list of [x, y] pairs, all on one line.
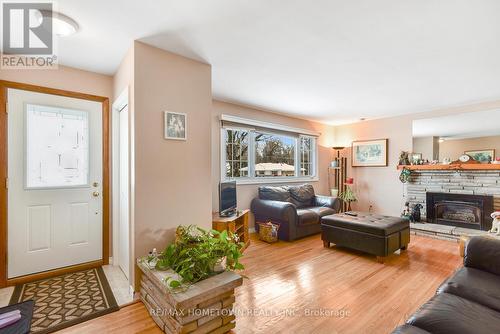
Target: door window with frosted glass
{"points": [[57, 147]]}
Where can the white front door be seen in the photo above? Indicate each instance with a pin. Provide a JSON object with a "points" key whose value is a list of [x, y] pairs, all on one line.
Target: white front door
{"points": [[55, 182], [123, 245]]}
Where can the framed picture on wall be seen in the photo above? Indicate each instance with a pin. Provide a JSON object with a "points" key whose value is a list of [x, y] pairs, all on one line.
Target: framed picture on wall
{"points": [[175, 125], [370, 153], [482, 155]]}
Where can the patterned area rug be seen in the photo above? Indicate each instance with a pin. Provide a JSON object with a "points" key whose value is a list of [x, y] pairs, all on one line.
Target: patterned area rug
{"points": [[66, 300]]}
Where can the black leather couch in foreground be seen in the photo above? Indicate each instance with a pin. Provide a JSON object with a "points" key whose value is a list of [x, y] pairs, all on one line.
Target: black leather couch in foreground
{"points": [[296, 208], [469, 301]]}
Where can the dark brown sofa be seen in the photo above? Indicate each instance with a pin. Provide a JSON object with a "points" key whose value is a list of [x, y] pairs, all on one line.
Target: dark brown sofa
{"points": [[469, 301], [297, 209]]}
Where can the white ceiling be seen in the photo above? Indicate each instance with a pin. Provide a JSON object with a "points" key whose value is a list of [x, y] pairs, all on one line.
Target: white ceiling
{"points": [[329, 60], [459, 126]]}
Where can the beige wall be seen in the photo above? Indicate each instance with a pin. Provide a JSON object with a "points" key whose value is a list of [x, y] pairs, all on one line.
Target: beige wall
{"points": [[124, 76], [427, 146], [172, 178], [246, 193], [455, 148], [380, 186], [66, 78]]}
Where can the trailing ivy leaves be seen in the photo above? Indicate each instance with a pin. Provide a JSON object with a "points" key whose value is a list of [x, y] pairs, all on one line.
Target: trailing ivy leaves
{"points": [[196, 252]]}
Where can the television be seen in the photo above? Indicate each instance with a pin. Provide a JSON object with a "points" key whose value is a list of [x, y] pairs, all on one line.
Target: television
{"points": [[227, 199]]}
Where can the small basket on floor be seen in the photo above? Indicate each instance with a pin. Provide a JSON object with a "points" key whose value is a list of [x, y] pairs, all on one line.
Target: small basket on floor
{"points": [[268, 232]]}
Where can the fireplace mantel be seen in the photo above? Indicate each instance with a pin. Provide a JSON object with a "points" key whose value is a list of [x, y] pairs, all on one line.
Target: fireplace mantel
{"points": [[453, 167]]}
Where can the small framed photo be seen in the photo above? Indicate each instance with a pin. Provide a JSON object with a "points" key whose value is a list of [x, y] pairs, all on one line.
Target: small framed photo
{"points": [[175, 125], [416, 157], [370, 153]]}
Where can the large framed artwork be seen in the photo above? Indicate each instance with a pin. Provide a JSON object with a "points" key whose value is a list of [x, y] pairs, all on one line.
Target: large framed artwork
{"points": [[482, 155], [175, 125], [370, 153]]}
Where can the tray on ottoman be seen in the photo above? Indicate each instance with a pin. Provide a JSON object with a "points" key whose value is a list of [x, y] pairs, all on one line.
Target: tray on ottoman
{"points": [[371, 233]]}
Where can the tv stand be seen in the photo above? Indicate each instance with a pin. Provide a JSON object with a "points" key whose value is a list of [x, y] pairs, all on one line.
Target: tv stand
{"points": [[237, 223]]}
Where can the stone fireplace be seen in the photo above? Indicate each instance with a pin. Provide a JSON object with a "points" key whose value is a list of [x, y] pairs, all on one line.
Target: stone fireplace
{"points": [[462, 210], [462, 200]]}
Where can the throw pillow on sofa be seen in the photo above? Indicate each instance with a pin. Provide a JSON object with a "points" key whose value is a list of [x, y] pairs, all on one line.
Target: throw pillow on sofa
{"points": [[302, 196], [279, 193]]}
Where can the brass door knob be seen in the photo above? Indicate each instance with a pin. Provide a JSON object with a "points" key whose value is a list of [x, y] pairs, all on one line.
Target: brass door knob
{"points": [[95, 194]]}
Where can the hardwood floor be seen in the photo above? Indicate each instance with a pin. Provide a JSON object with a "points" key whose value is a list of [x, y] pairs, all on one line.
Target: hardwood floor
{"points": [[128, 320], [288, 280]]}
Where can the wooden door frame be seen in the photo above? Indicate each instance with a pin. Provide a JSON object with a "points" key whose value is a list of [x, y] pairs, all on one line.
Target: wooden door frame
{"points": [[4, 86]]}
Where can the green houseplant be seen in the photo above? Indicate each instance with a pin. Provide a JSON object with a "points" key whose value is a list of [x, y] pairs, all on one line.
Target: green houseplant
{"points": [[196, 254]]}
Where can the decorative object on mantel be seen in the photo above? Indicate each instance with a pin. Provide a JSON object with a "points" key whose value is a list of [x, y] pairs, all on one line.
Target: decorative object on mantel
{"points": [[483, 156], [404, 159], [370, 153], [416, 159], [495, 225], [175, 125], [497, 161], [348, 196], [465, 159], [454, 166]]}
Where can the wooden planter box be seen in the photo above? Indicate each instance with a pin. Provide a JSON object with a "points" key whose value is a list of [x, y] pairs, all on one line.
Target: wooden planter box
{"points": [[205, 307]]}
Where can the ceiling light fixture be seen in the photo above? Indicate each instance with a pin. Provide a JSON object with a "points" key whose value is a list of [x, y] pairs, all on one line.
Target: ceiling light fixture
{"points": [[62, 25], [441, 140]]}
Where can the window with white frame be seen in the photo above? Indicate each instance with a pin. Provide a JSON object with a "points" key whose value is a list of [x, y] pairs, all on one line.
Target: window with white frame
{"points": [[236, 153], [254, 154], [307, 152]]}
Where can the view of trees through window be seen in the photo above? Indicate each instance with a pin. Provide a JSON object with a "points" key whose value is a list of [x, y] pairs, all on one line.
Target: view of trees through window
{"points": [[272, 155], [306, 156], [236, 153]]}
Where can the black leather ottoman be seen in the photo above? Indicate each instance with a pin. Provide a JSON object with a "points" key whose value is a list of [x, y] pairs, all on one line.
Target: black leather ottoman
{"points": [[374, 234]]}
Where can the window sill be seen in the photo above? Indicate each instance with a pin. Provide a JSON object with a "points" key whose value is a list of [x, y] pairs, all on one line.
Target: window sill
{"points": [[265, 180]]}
